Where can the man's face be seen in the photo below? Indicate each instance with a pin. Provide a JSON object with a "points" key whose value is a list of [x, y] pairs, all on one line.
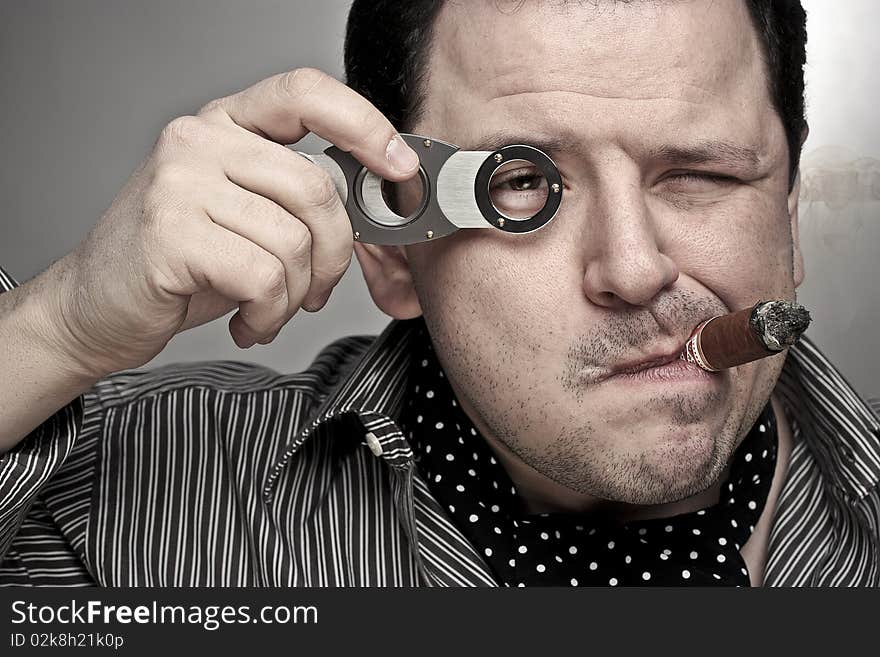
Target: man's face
{"points": [[675, 209]]}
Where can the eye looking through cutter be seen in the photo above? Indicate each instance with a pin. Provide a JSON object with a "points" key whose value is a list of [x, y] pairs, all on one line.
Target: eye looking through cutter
{"points": [[459, 189]]}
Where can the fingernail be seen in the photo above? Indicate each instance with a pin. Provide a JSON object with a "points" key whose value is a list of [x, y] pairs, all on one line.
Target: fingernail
{"points": [[401, 156]]}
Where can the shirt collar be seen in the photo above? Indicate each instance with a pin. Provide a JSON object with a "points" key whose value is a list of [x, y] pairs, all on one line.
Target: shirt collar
{"points": [[840, 429]]}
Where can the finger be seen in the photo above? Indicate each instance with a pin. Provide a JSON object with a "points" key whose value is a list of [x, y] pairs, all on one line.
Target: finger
{"points": [[300, 187], [285, 107], [269, 226], [240, 270]]}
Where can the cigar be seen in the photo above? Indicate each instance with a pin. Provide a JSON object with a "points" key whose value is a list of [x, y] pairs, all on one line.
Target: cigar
{"points": [[763, 330]]}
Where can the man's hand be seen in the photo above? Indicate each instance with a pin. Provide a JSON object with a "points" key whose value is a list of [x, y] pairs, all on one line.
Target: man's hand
{"points": [[221, 215]]}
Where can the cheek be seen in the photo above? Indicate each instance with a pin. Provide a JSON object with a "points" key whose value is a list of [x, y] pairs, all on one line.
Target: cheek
{"points": [[491, 280], [741, 252]]}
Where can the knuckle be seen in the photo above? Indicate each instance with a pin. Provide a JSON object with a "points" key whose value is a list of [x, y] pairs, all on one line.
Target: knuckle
{"points": [[272, 281], [168, 176], [184, 131], [319, 190], [211, 107], [298, 243], [300, 81]]}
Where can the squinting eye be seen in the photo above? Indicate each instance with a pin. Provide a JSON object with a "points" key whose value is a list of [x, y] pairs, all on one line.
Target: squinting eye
{"points": [[698, 180], [518, 190]]}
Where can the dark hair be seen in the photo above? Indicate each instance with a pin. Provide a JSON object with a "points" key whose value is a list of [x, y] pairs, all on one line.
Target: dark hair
{"points": [[387, 44]]}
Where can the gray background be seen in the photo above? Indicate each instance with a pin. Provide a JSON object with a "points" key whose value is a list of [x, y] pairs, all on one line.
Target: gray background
{"points": [[86, 86]]}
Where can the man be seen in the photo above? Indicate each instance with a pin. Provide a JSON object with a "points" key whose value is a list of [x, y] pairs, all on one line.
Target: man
{"points": [[524, 421]]}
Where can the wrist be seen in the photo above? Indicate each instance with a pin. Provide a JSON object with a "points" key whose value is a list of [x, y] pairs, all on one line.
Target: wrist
{"points": [[51, 317]]}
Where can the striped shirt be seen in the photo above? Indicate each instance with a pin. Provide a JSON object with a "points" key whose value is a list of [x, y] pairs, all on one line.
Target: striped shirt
{"points": [[230, 474]]}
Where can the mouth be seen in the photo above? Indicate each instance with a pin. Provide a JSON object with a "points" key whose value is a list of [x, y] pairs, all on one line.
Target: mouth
{"points": [[662, 367]]}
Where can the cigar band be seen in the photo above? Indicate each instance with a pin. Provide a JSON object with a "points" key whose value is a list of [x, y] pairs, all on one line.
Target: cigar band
{"points": [[693, 350]]}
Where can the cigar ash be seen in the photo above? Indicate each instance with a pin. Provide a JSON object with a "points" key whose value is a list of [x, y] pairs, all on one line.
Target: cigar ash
{"points": [[779, 324]]}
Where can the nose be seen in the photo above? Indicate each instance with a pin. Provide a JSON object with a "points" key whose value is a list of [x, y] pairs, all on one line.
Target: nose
{"points": [[624, 260]]}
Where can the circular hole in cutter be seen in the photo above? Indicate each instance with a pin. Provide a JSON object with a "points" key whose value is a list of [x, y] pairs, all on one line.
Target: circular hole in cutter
{"points": [[518, 189], [391, 204]]}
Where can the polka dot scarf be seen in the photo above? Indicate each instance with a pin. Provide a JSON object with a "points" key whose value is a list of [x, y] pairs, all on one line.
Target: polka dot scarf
{"points": [[560, 549]]}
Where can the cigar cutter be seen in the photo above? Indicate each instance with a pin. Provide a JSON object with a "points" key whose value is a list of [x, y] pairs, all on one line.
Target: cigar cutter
{"points": [[515, 189]]}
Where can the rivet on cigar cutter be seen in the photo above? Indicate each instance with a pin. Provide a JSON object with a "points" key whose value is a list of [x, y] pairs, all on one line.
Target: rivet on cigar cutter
{"points": [[455, 192]]}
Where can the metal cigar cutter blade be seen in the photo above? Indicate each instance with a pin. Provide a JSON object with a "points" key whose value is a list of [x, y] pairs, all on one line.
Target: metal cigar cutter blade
{"points": [[515, 189]]}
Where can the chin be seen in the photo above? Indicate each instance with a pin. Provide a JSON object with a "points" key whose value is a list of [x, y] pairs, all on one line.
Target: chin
{"points": [[680, 464]]}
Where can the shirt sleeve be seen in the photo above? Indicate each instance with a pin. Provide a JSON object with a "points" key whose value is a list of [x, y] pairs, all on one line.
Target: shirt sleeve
{"points": [[25, 469]]}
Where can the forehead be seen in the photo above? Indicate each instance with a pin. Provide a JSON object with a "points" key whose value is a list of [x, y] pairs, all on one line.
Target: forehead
{"points": [[669, 62]]}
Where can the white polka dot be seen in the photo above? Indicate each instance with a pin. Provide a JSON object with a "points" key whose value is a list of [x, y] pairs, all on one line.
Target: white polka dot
{"points": [[437, 477], [452, 508], [721, 558], [610, 545], [748, 457], [454, 403], [495, 508], [761, 428], [696, 532], [686, 574], [701, 512], [668, 528], [572, 550], [492, 460], [521, 584], [667, 552], [613, 581], [752, 505], [523, 549], [664, 556], [459, 488], [450, 457], [425, 362], [593, 565], [628, 559], [473, 517], [574, 582], [694, 555], [430, 394], [764, 454], [513, 490], [556, 533], [579, 528], [475, 456], [473, 432], [558, 558], [488, 552], [744, 571], [733, 522], [428, 449], [540, 568], [460, 440], [512, 563], [439, 425], [722, 541], [643, 531], [498, 530], [716, 576], [419, 419], [646, 575], [472, 472], [545, 535]]}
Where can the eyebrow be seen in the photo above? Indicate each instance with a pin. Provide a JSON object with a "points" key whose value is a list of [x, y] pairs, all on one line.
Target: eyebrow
{"points": [[703, 152], [708, 152], [500, 139]]}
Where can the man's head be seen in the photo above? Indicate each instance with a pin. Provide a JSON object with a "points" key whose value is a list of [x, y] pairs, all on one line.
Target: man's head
{"points": [[676, 127]]}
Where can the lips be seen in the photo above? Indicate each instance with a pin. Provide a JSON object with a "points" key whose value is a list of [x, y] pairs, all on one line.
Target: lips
{"points": [[665, 366]]}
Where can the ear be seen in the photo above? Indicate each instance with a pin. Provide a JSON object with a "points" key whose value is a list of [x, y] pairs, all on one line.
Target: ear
{"points": [[793, 196], [389, 280]]}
